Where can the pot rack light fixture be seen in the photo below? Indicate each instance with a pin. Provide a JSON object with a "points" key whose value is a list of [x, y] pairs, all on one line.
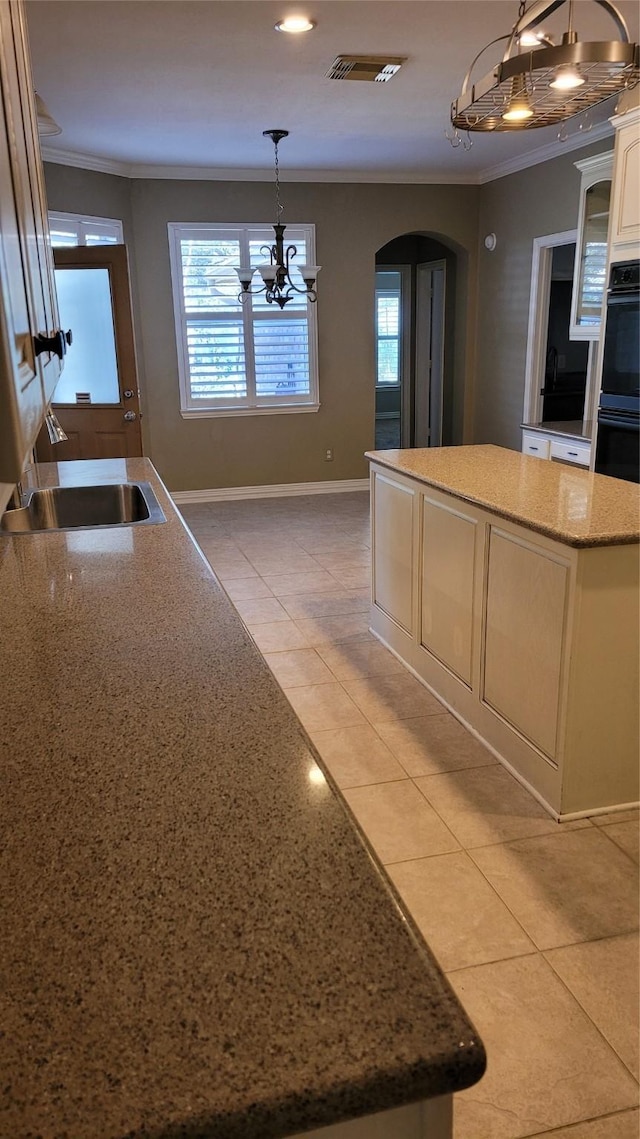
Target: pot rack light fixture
{"points": [[539, 83], [277, 284]]}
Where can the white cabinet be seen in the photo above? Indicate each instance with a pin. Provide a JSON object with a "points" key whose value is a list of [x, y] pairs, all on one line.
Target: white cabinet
{"points": [[523, 644], [589, 277], [556, 447], [447, 586], [566, 452], [393, 523], [625, 206], [529, 641], [536, 445], [28, 307]]}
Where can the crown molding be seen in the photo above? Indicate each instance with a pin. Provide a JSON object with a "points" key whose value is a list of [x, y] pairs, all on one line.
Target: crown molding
{"points": [[84, 161], [544, 153], [226, 174], [232, 174]]}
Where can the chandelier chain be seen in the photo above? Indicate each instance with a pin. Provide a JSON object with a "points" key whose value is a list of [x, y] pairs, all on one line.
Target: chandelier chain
{"points": [[279, 206]]}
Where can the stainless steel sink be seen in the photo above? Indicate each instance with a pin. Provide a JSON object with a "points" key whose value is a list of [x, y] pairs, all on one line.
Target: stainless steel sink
{"points": [[84, 508]]}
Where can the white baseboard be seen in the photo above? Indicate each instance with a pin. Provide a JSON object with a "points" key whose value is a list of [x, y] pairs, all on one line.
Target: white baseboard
{"points": [[282, 490]]}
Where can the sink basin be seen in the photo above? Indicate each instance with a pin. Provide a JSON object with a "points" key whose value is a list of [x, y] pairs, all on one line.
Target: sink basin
{"points": [[84, 507]]}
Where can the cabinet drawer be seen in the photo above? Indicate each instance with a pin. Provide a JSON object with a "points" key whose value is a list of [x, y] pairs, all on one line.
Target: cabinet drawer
{"points": [[578, 453], [536, 445]]}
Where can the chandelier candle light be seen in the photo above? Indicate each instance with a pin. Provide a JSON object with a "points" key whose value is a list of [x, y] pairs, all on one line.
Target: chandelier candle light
{"points": [[539, 83], [277, 285]]}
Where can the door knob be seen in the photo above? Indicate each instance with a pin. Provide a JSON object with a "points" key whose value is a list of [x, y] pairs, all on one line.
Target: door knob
{"points": [[129, 416]]}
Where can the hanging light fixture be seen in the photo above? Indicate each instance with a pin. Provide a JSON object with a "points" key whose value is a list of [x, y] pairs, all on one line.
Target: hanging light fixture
{"points": [[550, 82], [277, 284]]}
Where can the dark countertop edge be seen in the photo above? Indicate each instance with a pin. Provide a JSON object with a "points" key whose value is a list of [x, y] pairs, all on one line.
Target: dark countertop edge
{"points": [[427, 1081], [561, 536]]}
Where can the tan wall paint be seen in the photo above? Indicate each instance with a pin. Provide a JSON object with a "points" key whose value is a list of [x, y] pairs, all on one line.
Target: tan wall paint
{"points": [[352, 222], [532, 203]]}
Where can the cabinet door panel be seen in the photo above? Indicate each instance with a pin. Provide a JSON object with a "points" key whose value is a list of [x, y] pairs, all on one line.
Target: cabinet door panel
{"points": [[448, 562], [20, 384], [393, 550], [626, 208], [30, 197], [524, 637]]}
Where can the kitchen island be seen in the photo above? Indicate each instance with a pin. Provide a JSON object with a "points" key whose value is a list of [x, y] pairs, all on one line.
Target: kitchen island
{"points": [[509, 586], [195, 939]]}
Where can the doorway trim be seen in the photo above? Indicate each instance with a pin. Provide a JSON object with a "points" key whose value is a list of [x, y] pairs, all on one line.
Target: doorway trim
{"points": [[429, 360], [538, 326]]}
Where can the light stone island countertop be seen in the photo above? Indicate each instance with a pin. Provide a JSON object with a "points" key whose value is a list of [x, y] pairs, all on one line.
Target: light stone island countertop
{"points": [[195, 941], [571, 505]]}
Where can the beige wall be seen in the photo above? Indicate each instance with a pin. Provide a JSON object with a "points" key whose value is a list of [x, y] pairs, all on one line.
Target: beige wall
{"points": [[352, 222], [532, 203]]}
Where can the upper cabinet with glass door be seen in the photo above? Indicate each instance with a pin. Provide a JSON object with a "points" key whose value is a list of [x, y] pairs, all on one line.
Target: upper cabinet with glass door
{"points": [[590, 269]]}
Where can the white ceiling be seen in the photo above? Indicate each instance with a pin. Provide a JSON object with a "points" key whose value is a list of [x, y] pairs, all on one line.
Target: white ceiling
{"points": [[152, 85]]}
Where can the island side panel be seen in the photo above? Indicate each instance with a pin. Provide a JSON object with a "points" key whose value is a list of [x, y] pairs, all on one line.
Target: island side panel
{"points": [[575, 657], [603, 729]]}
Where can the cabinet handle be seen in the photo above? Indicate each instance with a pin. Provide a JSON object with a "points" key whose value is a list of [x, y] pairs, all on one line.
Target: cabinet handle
{"points": [[56, 343], [534, 448], [573, 454]]}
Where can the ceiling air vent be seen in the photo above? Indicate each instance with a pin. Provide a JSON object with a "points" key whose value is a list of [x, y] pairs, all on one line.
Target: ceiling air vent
{"points": [[372, 68]]}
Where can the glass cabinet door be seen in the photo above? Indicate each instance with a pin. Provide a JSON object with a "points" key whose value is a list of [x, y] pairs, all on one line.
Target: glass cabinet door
{"points": [[590, 270]]}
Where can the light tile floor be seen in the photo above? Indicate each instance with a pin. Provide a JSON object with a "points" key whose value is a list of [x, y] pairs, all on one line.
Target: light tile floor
{"points": [[535, 923]]}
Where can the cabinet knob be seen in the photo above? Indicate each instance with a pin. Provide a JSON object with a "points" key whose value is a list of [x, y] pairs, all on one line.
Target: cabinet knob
{"points": [[56, 343]]}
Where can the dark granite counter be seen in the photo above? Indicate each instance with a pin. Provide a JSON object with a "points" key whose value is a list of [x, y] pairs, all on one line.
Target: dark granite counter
{"points": [[195, 940]]}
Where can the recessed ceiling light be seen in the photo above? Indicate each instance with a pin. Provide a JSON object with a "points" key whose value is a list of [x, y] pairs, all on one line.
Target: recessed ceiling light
{"points": [[295, 24]]}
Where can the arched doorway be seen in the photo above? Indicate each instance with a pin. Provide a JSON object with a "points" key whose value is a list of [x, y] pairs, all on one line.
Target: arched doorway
{"points": [[414, 328]]}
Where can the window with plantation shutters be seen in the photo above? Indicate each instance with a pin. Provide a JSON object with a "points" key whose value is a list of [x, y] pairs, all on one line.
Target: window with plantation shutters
{"points": [[236, 357]]}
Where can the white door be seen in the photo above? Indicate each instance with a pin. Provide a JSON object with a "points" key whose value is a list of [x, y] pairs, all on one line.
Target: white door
{"points": [[430, 292]]}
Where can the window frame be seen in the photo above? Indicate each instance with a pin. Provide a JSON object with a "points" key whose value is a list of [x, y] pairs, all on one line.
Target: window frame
{"points": [[83, 224], [250, 405]]}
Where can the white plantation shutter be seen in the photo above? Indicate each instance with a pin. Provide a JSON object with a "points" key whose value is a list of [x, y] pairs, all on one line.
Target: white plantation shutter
{"points": [[236, 358], [81, 229]]}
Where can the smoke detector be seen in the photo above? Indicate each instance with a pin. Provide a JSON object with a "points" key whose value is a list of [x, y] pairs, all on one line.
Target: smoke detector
{"points": [[370, 68]]}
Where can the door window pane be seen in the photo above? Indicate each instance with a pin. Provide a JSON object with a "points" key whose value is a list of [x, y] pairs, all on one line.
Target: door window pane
{"points": [[90, 365]]}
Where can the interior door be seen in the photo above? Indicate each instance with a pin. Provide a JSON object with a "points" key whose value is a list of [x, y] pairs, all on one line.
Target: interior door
{"points": [[96, 399], [430, 294]]}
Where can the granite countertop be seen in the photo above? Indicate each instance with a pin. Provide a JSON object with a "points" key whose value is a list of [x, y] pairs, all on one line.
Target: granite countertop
{"points": [[195, 939], [564, 429], [571, 505]]}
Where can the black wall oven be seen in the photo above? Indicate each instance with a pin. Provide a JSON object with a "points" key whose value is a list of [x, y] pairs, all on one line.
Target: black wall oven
{"points": [[617, 447]]}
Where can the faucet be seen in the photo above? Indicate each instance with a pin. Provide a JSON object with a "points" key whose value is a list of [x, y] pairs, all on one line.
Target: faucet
{"points": [[56, 434], [54, 430]]}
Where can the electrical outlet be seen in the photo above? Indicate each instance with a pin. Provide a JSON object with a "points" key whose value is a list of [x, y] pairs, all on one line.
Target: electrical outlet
{"points": [[328, 455]]}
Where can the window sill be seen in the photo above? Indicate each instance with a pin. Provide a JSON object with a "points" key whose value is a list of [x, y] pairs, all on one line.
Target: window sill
{"points": [[241, 412]]}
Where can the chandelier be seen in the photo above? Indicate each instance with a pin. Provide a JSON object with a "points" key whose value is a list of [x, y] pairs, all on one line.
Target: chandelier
{"points": [[539, 83], [277, 284]]}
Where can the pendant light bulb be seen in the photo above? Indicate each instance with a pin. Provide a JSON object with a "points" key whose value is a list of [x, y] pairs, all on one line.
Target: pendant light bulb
{"points": [[519, 108], [566, 79]]}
